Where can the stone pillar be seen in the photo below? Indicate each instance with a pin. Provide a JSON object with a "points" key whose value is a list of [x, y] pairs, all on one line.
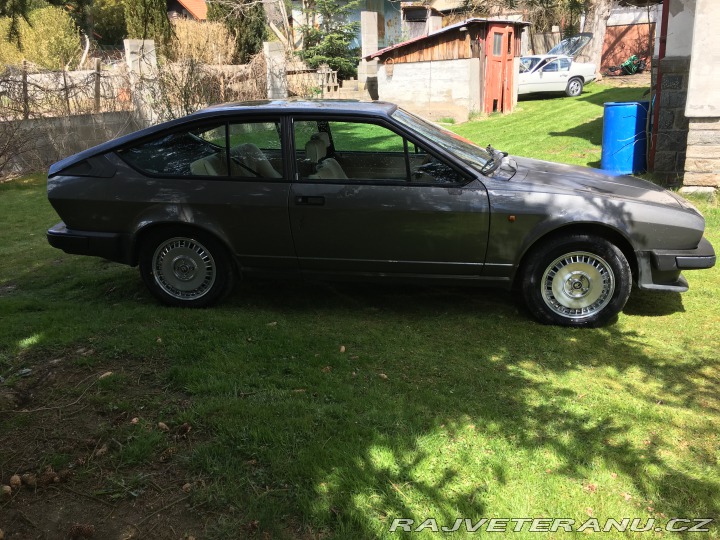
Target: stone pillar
{"points": [[368, 32], [367, 69], [702, 165], [274, 53], [672, 128]]}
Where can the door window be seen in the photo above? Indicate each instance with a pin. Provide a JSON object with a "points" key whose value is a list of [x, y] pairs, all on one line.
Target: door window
{"points": [[497, 44], [364, 152]]}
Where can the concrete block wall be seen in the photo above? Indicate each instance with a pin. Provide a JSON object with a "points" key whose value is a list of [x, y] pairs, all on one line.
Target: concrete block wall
{"points": [[672, 128], [57, 138], [434, 89]]}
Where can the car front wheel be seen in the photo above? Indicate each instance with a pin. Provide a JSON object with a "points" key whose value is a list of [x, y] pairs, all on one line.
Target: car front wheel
{"points": [[186, 268], [577, 280], [574, 87]]}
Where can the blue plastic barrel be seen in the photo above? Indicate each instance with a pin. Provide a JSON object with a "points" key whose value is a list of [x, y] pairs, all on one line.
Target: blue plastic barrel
{"points": [[624, 140]]}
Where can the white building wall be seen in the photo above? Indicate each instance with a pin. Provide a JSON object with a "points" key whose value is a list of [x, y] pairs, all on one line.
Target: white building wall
{"points": [[703, 88], [681, 19]]}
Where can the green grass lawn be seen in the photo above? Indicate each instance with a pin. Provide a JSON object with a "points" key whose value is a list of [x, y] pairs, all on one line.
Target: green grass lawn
{"points": [[552, 128], [326, 411]]}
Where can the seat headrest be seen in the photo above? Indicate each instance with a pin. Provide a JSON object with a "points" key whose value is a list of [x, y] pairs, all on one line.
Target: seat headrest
{"points": [[323, 136], [315, 150]]}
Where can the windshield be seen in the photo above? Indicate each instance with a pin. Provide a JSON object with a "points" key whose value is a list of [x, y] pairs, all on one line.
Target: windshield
{"points": [[571, 46], [528, 63], [458, 146]]}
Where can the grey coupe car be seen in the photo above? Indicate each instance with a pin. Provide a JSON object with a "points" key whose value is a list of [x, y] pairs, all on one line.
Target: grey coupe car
{"points": [[355, 190]]}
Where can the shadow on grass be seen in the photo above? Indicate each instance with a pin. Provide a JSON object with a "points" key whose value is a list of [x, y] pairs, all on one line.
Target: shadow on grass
{"points": [[452, 359]]}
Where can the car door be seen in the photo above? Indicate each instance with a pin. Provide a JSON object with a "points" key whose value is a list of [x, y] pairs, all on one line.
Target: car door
{"points": [[554, 75], [383, 206], [226, 176]]}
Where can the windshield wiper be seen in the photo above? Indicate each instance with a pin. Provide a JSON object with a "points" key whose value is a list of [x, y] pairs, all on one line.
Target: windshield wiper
{"points": [[496, 158]]}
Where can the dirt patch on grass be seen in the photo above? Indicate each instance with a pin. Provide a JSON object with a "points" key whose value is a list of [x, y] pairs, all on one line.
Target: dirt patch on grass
{"points": [[95, 448], [637, 80]]}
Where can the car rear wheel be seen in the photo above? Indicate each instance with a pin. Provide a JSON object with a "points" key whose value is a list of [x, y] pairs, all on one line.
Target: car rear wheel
{"points": [[577, 280], [574, 87], [186, 268]]}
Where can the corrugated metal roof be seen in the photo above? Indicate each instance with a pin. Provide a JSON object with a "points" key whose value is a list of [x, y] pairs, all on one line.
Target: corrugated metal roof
{"points": [[448, 28], [196, 8]]}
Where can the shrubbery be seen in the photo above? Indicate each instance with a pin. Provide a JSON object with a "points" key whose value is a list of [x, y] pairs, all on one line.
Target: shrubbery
{"points": [[51, 40], [204, 43]]}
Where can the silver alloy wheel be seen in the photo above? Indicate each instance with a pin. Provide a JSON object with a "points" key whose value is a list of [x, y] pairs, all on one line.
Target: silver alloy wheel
{"points": [[578, 284], [184, 268], [575, 87]]}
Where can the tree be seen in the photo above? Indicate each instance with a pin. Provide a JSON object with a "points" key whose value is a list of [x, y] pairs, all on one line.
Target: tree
{"points": [[147, 19], [245, 19], [108, 21], [328, 36], [16, 11], [597, 24], [49, 38]]}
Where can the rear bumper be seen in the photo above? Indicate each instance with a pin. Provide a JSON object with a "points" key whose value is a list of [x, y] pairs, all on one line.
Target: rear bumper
{"points": [[111, 246], [660, 269]]}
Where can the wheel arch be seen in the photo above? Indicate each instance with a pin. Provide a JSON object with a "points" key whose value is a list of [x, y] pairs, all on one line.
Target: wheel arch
{"points": [[606, 232], [143, 233]]}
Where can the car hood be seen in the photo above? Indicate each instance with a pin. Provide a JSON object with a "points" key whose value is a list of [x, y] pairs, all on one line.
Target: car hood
{"points": [[546, 175]]}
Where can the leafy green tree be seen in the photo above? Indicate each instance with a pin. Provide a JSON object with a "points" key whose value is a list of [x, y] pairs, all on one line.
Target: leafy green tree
{"points": [[328, 36], [108, 21], [15, 11], [49, 38], [147, 19], [245, 19]]}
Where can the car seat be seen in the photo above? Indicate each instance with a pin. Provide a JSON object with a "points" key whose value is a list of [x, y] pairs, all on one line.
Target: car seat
{"points": [[325, 167]]}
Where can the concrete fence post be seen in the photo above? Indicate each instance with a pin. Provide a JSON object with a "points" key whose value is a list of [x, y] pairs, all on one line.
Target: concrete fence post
{"points": [[277, 86]]}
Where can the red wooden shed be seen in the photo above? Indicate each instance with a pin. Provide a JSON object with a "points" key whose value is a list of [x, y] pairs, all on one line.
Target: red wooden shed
{"points": [[471, 64]]}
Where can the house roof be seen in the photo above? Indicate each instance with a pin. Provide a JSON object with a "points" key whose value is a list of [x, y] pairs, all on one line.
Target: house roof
{"points": [[443, 30], [196, 8]]}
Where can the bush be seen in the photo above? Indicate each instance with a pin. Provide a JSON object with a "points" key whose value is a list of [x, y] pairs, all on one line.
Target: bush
{"points": [[51, 40], [109, 21], [204, 43]]}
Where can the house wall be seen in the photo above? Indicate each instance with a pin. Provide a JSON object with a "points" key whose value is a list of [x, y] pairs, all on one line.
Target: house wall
{"points": [[630, 16], [672, 125], [681, 19], [702, 165], [446, 88], [623, 41]]}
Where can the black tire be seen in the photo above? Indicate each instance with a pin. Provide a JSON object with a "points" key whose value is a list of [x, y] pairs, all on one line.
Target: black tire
{"points": [[183, 267], [574, 87], [576, 280]]}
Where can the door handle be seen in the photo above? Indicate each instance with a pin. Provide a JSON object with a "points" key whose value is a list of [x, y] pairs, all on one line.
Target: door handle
{"points": [[310, 200]]}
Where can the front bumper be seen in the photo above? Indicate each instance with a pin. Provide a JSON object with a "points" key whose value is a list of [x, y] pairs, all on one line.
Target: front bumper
{"points": [[660, 269], [111, 246]]}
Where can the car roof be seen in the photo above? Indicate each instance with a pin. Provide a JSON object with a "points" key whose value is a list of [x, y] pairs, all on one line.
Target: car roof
{"points": [[290, 106]]}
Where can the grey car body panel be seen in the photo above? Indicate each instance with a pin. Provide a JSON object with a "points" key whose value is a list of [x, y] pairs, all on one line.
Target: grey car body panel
{"points": [[477, 232]]}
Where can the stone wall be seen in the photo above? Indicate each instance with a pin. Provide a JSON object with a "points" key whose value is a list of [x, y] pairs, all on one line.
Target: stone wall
{"points": [[702, 164], [672, 128]]}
